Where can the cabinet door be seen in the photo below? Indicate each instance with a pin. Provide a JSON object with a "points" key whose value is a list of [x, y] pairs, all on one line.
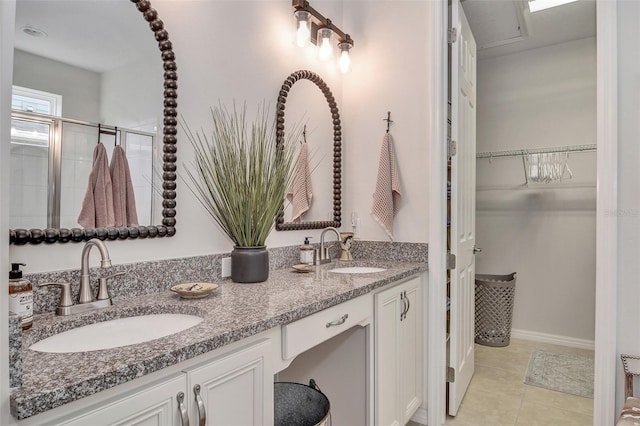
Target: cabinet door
{"points": [[410, 344], [156, 405], [398, 353], [233, 390], [387, 336]]}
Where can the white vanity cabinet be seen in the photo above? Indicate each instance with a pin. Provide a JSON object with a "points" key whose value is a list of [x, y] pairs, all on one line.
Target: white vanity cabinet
{"points": [[398, 352], [155, 405], [227, 387], [234, 390]]}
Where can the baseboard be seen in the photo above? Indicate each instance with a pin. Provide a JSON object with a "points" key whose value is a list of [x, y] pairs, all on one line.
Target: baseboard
{"points": [[553, 339], [420, 416]]}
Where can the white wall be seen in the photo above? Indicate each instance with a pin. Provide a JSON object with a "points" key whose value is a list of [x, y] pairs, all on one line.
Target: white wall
{"points": [[546, 233], [7, 18], [389, 73], [628, 178], [132, 94], [80, 89]]}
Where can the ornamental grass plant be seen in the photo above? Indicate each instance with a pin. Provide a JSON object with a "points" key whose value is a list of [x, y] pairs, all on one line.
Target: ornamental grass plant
{"points": [[240, 174]]}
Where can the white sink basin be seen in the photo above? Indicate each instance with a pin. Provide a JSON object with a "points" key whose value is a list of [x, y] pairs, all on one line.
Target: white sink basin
{"points": [[356, 270], [116, 333]]}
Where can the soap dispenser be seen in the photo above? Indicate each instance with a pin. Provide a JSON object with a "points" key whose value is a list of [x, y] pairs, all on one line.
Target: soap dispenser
{"points": [[306, 252], [20, 296]]}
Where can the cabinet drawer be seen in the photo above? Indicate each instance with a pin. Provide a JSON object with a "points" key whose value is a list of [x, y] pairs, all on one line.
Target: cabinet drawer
{"points": [[310, 331]]}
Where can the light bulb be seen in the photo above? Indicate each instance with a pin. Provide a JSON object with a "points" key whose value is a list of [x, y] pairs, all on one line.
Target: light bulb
{"points": [[303, 32], [326, 49], [344, 63], [303, 35]]}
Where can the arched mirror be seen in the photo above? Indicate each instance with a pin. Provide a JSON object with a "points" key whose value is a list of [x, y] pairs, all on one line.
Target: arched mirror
{"points": [[88, 73], [323, 135]]}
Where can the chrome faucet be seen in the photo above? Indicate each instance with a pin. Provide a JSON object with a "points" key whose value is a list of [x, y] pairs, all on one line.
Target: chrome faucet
{"points": [[324, 251], [86, 301], [86, 296]]}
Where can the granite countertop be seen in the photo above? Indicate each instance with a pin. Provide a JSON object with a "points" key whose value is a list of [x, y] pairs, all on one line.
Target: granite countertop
{"points": [[233, 312]]}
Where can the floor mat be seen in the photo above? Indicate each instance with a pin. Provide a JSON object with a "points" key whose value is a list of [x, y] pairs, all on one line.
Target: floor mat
{"points": [[561, 372]]}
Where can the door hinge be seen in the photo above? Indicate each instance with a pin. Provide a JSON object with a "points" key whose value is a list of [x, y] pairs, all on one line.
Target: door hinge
{"points": [[452, 35], [451, 375], [451, 261], [452, 148]]}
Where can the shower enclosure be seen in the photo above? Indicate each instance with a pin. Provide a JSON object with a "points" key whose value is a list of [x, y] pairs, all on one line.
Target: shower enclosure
{"points": [[51, 158]]}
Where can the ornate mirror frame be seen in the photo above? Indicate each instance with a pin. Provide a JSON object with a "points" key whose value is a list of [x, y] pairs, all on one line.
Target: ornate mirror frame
{"points": [[281, 225], [167, 228]]}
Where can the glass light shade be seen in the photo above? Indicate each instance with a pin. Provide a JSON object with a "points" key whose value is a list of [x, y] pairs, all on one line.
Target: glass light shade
{"points": [[324, 41], [303, 27], [344, 63]]}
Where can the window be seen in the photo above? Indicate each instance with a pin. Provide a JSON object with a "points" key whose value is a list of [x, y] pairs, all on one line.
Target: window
{"points": [[31, 100]]}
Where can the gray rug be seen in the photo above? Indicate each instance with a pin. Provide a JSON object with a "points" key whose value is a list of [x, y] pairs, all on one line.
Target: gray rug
{"points": [[561, 372]]}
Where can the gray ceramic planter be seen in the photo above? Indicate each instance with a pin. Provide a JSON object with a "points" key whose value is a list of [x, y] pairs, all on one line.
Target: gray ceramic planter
{"points": [[249, 264]]}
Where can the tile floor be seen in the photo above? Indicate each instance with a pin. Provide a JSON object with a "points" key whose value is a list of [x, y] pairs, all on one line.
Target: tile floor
{"points": [[497, 394]]}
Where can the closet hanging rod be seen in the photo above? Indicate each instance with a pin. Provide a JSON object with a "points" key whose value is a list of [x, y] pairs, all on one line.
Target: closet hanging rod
{"points": [[522, 152]]}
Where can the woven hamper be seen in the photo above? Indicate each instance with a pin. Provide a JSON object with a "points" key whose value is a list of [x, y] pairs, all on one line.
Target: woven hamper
{"points": [[494, 308]]}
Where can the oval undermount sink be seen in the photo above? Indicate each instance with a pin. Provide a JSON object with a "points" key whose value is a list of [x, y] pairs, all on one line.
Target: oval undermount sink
{"points": [[356, 270], [116, 333]]}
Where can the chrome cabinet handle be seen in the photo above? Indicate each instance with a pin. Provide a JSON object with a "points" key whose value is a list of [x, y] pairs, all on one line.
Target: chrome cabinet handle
{"points": [[202, 414], [404, 305], [338, 321], [184, 417], [408, 304]]}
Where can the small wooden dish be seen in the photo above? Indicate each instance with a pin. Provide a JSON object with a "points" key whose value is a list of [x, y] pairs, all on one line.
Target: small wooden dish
{"points": [[302, 267], [194, 290]]}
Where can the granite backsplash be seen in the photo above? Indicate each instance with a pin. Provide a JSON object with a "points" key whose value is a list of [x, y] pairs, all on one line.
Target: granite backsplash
{"points": [[153, 277]]}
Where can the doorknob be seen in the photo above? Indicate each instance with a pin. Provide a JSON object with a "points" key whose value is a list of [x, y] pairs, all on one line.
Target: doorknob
{"points": [[476, 250]]}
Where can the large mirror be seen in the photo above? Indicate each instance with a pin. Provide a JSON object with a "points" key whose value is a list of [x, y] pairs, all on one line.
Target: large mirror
{"points": [[89, 73], [307, 103]]}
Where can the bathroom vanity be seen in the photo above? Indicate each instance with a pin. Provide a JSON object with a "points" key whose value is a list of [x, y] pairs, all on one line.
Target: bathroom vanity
{"points": [[221, 371]]}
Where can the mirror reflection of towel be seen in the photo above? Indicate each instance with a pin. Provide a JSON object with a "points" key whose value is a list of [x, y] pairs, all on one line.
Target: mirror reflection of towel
{"points": [[97, 207], [124, 201], [300, 192], [386, 198]]}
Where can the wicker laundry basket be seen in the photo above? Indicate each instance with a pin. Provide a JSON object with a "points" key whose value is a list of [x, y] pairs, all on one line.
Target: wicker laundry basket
{"points": [[494, 308]]}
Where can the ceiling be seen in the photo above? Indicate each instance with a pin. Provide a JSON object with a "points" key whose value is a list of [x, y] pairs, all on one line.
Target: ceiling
{"points": [[98, 35], [502, 27]]}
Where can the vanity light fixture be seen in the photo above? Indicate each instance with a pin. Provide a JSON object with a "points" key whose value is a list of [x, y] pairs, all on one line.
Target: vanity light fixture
{"points": [[320, 31]]}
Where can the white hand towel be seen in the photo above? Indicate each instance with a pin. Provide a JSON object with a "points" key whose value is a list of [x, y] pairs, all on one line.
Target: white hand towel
{"points": [[97, 207], [386, 198], [300, 192], [124, 200]]}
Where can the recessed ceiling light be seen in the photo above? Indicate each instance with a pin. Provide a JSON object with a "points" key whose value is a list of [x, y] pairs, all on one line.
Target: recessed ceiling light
{"points": [[538, 5], [34, 32]]}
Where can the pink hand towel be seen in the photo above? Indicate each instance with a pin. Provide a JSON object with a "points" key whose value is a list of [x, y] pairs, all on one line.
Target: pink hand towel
{"points": [[124, 200], [300, 192], [97, 207], [386, 198]]}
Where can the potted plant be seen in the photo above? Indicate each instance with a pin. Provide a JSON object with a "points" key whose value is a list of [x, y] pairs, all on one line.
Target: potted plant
{"points": [[241, 176]]}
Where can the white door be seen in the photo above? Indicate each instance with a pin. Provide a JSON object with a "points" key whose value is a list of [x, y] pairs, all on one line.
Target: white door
{"points": [[463, 206]]}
